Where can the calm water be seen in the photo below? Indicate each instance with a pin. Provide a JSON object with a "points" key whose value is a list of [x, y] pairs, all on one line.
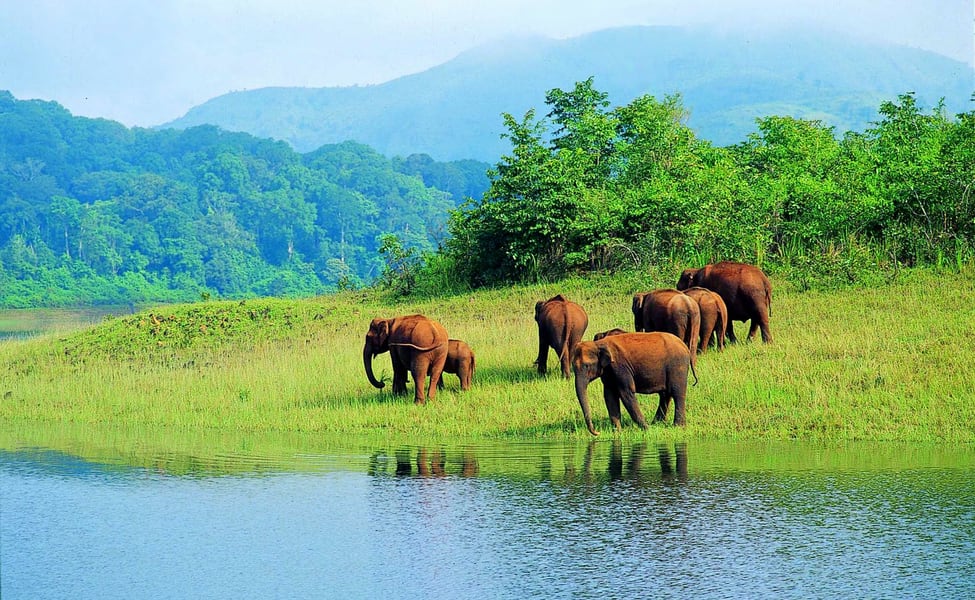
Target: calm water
{"points": [[502, 520]]}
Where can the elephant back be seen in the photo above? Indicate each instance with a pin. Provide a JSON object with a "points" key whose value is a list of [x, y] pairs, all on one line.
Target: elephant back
{"points": [[743, 287], [419, 332]]}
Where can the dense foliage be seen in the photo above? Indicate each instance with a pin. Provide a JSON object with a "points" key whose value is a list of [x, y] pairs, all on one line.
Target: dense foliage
{"points": [[94, 212], [589, 188]]}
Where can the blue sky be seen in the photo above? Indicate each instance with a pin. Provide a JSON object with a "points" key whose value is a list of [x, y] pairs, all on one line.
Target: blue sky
{"points": [[145, 62]]}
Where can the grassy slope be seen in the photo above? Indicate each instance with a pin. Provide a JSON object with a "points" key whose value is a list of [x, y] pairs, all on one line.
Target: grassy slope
{"points": [[890, 363]]}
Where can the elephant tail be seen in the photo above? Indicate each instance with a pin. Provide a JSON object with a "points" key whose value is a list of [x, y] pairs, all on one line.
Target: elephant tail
{"points": [[693, 371], [564, 352], [419, 348]]}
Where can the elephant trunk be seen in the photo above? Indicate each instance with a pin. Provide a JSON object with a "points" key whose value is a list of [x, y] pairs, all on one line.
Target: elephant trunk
{"points": [[582, 392], [367, 355]]}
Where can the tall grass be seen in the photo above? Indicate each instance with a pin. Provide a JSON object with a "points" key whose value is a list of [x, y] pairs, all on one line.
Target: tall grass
{"points": [[883, 363]]}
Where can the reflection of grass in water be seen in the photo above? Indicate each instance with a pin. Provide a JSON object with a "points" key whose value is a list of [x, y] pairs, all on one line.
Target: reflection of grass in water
{"points": [[222, 452], [876, 364]]}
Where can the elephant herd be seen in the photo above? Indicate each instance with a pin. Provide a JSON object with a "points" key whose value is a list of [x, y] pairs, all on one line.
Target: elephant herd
{"points": [[671, 327]]}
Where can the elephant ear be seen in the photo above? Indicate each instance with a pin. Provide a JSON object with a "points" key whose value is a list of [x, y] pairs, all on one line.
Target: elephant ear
{"points": [[638, 301], [607, 355], [380, 328], [538, 308]]}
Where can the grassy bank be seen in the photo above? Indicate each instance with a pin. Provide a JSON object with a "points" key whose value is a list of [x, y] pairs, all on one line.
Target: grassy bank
{"points": [[885, 363]]}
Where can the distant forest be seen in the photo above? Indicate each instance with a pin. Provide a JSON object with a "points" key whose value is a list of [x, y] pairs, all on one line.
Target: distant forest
{"points": [[92, 212]]}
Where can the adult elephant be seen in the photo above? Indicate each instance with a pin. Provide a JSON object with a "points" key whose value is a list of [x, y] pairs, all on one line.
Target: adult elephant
{"points": [[561, 324], [745, 289], [416, 344], [714, 316], [631, 363], [668, 310]]}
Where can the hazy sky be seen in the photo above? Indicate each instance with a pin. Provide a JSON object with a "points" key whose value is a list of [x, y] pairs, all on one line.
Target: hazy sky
{"points": [[145, 62]]}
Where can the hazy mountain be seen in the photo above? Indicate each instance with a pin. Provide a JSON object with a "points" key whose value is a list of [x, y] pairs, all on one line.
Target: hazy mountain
{"points": [[452, 111]]}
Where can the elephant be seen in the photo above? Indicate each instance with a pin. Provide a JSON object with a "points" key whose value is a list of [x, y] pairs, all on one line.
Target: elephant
{"points": [[460, 361], [668, 310], [714, 316], [745, 289], [603, 334], [416, 344], [630, 363], [561, 324]]}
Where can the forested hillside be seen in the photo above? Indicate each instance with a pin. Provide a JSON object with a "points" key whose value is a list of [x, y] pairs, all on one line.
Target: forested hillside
{"points": [[94, 212], [727, 81], [592, 188]]}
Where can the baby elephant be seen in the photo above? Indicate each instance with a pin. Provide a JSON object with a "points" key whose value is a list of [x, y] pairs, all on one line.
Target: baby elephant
{"points": [[460, 361], [602, 334], [631, 363]]}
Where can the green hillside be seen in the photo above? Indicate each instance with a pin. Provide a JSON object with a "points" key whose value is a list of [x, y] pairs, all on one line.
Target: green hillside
{"points": [[93, 212], [726, 80]]}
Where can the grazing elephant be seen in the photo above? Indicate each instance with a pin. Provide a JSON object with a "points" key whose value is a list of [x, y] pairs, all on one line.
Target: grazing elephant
{"points": [[631, 363], [460, 361], [602, 334], [416, 344], [561, 324], [668, 310], [714, 316], [745, 290]]}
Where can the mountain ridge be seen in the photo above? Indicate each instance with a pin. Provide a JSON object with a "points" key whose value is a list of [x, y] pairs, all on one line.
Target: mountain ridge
{"points": [[726, 79]]}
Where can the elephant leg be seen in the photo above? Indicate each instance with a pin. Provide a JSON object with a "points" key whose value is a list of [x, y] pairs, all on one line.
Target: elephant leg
{"points": [[633, 407], [763, 318], [705, 339], [419, 368], [612, 398], [464, 375], [680, 406], [662, 408], [732, 339], [542, 355], [400, 374], [436, 373], [566, 364], [753, 329]]}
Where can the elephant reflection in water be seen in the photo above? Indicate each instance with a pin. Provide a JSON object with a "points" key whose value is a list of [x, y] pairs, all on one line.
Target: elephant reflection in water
{"points": [[432, 463], [671, 466]]}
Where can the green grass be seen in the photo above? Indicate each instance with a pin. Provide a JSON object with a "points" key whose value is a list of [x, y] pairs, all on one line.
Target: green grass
{"points": [[885, 363]]}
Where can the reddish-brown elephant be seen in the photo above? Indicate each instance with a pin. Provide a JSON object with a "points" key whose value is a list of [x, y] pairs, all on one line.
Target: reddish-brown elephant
{"points": [[745, 289], [632, 363], [561, 325], [460, 362], [668, 310], [714, 316], [416, 344]]}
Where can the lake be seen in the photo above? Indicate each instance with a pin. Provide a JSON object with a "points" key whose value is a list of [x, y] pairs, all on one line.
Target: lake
{"points": [[89, 514], [16, 323]]}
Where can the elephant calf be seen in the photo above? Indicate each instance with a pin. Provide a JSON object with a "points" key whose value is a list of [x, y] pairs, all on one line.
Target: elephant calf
{"points": [[460, 361], [631, 363]]}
